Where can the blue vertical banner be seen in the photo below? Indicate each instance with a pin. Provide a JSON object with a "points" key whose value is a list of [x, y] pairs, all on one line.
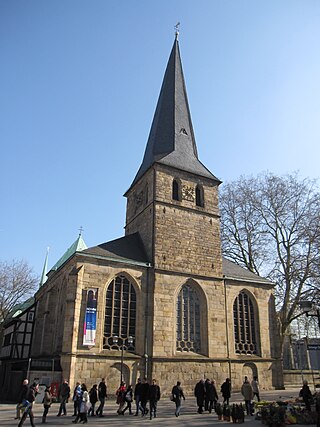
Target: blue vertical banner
{"points": [[90, 320]]}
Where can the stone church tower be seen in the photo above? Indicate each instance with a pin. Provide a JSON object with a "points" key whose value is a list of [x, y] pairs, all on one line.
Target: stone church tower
{"points": [[168, 305]]}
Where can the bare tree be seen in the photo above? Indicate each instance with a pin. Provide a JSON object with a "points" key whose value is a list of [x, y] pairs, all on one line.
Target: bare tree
{"points": [[17, 283], [271, 225]]}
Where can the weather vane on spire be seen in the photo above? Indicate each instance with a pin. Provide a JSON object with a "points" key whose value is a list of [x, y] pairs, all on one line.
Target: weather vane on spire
{"points": [[176, 28]]}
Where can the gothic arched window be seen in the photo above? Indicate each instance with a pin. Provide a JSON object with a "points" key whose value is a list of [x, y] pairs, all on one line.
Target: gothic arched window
{"points": [[245, 334], [120, 314], [199, 196], [176, 190], [188, 320]]}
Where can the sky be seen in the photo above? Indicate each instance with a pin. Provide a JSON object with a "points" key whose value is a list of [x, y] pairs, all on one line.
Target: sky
{"points": [[79, 83]]}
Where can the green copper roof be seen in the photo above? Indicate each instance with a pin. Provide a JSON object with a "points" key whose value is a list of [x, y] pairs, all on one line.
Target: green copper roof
{"points": [[19, 309], [77, 246]]}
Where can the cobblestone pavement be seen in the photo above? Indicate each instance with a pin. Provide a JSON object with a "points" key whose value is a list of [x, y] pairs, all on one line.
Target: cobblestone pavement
{"points": [[165, 418]]}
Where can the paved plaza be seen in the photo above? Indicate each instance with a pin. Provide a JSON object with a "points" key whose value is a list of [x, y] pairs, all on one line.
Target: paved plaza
{"points": [[166, 418]]}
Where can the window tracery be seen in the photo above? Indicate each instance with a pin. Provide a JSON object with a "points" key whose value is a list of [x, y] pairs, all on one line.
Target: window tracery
{"points": [[244, 325], [188, 320], [120, 314]]}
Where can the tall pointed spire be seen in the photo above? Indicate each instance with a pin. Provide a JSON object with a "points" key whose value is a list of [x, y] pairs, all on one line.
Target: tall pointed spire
{"points": [[171, 139], [44, 270]]}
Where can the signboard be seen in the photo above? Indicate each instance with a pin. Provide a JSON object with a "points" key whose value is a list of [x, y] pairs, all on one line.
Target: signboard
{"points": [[55, 391], [90, 320], [313, 346]]}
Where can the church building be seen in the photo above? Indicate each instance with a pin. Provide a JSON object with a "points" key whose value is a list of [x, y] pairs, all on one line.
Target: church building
{"points": [[161, 301]]}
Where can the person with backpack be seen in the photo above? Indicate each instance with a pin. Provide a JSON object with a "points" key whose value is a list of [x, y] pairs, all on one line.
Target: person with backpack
{"points": [[128, 399], [28, 403], [120, 393], [247, 393]]}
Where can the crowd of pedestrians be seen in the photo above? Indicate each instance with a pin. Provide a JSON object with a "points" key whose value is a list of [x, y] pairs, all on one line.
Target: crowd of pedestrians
{"points": [[145, 396]]}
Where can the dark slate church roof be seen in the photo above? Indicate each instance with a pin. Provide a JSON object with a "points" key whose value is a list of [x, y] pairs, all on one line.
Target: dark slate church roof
{"points": [[231, 270], [128, 248], [171, 141]]}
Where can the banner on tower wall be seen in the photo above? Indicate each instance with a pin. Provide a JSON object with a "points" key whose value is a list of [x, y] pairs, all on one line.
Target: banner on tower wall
{"points": [[90, 320]]}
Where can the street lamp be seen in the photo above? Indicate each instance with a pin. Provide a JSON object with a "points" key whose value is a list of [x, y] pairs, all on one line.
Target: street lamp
{"points": [[309, 310], [115, 341]]}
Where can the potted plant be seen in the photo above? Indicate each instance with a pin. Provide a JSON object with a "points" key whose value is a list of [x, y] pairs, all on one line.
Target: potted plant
{"points": [[219, 411], [226, 412]]}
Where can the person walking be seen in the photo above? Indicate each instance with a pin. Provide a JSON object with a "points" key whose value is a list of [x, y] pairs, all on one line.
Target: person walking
{"points": [[102, 394], [64, 394], [306, 395], [255, 388], [226, 391], [154, 396], [211, 395], [22, 396], [137, 397], [199, 392], [84, 404], [247, 393], [177, 394], [76, 398], [144, 396], [28, 402], [128, 399], [93, 395], [120, 393], [47, 400]]}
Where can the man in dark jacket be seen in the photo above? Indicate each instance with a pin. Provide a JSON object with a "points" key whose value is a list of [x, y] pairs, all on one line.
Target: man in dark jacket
{"points": [[64, 394], [137, 396], [211, 396], [102, 394], [199, 393], [226, 391], [154, 396], [30, 398], [144, 395]]}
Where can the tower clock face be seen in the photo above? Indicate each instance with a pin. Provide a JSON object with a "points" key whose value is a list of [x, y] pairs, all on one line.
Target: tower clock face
{"points": [[188, 193]]}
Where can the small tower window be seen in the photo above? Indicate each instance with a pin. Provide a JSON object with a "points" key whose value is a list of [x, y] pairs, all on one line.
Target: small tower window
{"points": [[176, 190], [199, 196]]}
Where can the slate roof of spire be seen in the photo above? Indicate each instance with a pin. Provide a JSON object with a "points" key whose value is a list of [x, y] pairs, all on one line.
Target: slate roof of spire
{"points": [[171, 140]]}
